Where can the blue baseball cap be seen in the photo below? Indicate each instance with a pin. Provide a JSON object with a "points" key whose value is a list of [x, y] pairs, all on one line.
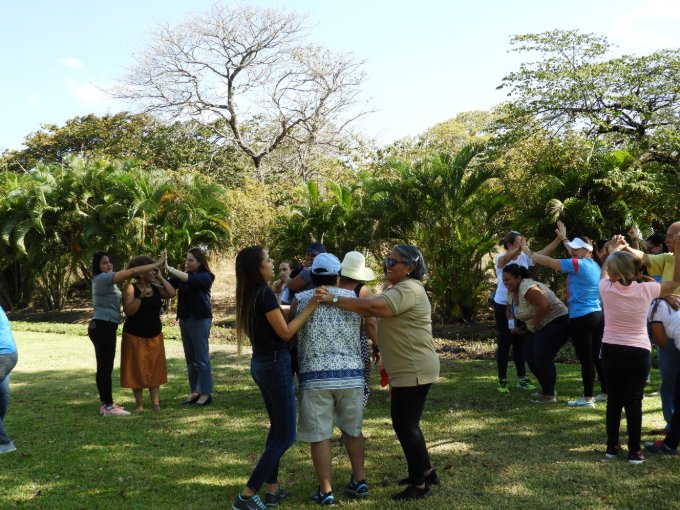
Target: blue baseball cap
{"points": [[316, 248], [326, 264]]}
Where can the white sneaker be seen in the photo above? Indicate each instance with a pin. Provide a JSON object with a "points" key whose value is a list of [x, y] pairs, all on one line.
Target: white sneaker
{"points": [[115, 411], [600, 398], [8, 447], [581, 402]]}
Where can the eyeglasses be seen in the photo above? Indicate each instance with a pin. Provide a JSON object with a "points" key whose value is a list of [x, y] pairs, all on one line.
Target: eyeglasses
{"points": [[390, 262]]}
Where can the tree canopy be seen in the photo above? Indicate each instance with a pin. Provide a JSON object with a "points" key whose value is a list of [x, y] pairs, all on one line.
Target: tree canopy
{"points": [[251, 69]]}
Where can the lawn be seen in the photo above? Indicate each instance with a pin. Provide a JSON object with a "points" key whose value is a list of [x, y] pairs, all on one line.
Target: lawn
{"points": [[491, 451]]}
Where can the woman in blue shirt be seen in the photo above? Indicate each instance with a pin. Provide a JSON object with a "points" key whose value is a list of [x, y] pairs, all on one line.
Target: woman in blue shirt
{"points": [[8, 360], [194, 312], [586, 320]]}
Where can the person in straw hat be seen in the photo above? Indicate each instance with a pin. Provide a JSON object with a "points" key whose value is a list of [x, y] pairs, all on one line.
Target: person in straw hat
{"points": [[353, 274]]}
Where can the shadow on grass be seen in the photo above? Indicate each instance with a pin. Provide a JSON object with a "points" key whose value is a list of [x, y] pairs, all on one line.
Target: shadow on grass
{"points": [[491, 451]]}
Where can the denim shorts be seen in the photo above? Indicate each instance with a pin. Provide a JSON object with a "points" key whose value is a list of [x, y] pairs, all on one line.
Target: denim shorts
{"points": [[318, 407]]}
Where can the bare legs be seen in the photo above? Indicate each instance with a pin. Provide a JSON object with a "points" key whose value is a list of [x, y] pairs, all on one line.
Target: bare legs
{"points": [[154, 394]]}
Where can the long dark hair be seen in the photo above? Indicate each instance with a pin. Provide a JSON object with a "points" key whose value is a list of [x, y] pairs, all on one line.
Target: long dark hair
{"points": [[249, 283], [96, 260], [201, 257]]}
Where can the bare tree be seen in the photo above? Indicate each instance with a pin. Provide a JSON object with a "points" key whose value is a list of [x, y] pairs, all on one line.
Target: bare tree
{"points": [[248, 74]]}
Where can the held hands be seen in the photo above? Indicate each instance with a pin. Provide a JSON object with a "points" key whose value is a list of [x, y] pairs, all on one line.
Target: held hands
{"points": [[561, 231], [634, 233], [523, 245], [321, 295]]}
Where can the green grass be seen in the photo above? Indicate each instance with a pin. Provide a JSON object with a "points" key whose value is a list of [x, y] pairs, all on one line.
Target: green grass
{"points": [[491, 451]]}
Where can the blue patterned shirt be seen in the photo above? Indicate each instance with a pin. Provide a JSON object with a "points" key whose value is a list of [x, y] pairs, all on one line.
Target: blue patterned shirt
{"points": [[329, 347]]}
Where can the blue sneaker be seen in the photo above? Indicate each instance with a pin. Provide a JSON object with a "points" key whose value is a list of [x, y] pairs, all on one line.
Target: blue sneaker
{"points": [[357, 489], [322, 499]]}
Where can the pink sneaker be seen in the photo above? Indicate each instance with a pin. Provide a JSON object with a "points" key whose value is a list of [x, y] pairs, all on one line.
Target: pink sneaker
{"points": [[115, 411]]}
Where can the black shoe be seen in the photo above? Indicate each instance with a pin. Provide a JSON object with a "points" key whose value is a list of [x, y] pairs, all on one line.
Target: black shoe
{"points": [[207, 402], [274, 498], [190, 400], [431, 479], [412, 492]]}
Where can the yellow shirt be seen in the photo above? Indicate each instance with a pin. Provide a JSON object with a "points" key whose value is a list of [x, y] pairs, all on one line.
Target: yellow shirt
{"points": [[663, 264], [405, 340]]}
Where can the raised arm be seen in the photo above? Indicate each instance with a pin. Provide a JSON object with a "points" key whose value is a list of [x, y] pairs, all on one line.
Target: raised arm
{"points": [[541, 259], [671, 286], [132, 298], [126, 274], [177, 273], [634, 234], [167, 291], [560, 237], [512, 252]]}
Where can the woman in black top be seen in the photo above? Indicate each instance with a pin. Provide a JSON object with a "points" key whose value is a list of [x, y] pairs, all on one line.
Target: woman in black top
{"points": [[195, 318], [142, 361], [259, 316]]}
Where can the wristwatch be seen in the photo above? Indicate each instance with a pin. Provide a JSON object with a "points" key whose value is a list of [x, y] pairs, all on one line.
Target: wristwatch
{"points": [[335, 299]]}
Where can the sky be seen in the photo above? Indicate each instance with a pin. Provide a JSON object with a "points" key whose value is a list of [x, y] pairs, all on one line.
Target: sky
{"points": [[426, 60]]}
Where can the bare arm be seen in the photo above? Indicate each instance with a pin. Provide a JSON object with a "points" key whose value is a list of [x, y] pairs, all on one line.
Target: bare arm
{"points": [[512, 252], [634, 234], [126, 274], [544, 260], [286, 331], [536, 298], [368, 307], [166, 290], [177, 273], [671, 286], [658, 334], [130, 301], [296, 284], [371, 325]]}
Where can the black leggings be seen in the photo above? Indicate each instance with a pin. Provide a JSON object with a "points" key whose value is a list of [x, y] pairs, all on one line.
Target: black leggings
{"points": [[542, 347], [103, 336], [626, 369], [586, 335], [505, 340], [406, 409]]}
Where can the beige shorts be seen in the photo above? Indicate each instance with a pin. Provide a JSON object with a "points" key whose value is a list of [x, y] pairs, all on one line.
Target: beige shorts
{"points": [[318, 407]]}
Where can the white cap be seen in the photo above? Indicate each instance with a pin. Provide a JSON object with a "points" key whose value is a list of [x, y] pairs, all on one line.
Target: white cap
{"points": [[577, 243]]}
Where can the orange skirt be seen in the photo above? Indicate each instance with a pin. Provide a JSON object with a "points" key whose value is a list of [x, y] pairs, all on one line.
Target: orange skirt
{"points": [[142, 362]]}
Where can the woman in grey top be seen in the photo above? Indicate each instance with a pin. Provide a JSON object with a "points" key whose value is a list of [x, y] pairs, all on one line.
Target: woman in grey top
{"points": [[106, 299]]}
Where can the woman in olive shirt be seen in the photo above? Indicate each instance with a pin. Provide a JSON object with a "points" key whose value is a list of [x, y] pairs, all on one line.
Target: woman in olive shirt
{"points": [[407, 349]]}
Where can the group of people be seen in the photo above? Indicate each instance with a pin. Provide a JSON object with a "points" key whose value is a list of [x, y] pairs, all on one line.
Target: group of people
{"points": [[328, 305], [143, 363], [321, 324], [613, 314]]}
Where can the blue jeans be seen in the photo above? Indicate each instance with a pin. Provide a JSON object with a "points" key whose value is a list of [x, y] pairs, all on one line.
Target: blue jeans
{"points": [[272, 373], [195, 334], [669, 361], [7, 363]]}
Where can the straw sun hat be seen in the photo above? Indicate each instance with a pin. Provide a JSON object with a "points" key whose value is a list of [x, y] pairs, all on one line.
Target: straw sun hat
{"points": [[354, 267]]}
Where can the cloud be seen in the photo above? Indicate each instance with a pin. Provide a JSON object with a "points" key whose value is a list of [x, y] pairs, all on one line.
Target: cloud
{"points": [[72, 63], [87, 93]]}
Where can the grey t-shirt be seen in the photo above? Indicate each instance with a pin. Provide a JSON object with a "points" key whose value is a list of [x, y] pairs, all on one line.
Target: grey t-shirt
{"points": [[106, 298]]}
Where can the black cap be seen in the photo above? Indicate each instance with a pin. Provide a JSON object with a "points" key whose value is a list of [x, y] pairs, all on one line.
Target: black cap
{"points": [[316, 248]]}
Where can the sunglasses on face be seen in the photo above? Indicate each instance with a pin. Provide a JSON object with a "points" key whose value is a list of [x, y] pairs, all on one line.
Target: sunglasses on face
{"points": [[390, 262]]}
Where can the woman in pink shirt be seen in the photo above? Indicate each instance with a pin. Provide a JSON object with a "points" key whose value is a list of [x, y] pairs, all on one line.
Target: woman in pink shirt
{"points": [[626, 296]]}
